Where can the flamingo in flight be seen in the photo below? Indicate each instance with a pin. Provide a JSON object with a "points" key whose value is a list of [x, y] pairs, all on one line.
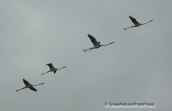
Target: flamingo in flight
{"points": [[52, 69], [28, 85], [95, 43], [136, 24]]}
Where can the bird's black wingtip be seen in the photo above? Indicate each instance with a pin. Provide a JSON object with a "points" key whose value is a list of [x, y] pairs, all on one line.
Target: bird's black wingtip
{"points": [[48, 63], [130, 16]]}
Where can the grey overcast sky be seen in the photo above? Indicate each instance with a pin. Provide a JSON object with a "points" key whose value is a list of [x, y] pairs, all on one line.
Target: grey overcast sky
{"points": [[136, 68]]}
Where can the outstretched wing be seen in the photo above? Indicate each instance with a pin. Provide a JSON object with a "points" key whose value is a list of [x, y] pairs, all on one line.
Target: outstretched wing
{"points": [[26, 82], [133, 20], [33, 89], [50, 66], [93, 40]]}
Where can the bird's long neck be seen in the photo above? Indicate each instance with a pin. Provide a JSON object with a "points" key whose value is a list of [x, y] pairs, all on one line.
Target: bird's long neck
{"points": [[21, 89]]}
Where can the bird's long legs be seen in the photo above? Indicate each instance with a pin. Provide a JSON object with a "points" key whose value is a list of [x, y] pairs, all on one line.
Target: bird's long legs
{"points": [[62, 67], [38, 84], [147, 22], [85, 50], [108, 44]]}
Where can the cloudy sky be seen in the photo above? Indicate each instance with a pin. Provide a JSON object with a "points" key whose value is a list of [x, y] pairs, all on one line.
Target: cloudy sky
{"points": [[136, 68]]}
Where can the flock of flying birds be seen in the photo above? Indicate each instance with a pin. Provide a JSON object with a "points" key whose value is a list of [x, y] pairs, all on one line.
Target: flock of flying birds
{"points": [[96, 45]]}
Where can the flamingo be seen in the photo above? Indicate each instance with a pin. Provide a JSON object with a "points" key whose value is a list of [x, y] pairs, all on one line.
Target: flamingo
{"points": [[136, 24], [28, 85], [95, 43], [52, 69]]}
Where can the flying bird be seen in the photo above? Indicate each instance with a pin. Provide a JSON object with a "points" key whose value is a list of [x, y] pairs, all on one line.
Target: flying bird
{"points": [[28, 85], [136, 23], [52, 69], [95, 43]]}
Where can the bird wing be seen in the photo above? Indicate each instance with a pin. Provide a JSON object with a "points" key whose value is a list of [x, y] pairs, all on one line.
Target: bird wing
{"points": [[55, 71], [33, 89], [133, 20], [50, 66], [93, 40], [26, 82]]}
